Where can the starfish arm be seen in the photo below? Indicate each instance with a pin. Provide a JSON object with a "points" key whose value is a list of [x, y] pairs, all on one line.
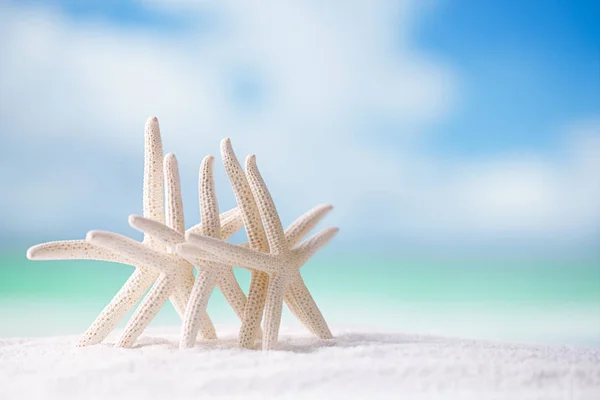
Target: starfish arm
{"points": [[207, 277], [147, 310], [273, 306], [256, 239], [231, 254], [122, 302], [195, 229], [73, 250], [131, 249], [157, 230], [266, 206], [233, 293], [199, 257], [231, 213], [181, 295], [311, 315], [174, 219], [231, 225], [310, 246], [174, 204], [171, 237], [207, 329], [305, 223], [253, 312], [245, 200], [196, 306], [209, 208], [292, 305], [195, 255], [231, 222], [153, 202]]}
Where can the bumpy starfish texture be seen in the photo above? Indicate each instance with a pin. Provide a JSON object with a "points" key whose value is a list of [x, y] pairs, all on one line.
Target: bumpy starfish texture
{"points": [[226, 281], [167, 255], [258, 240], [293, 234], [298, 298], [210, 273], [281, 265], [176, 274], [143, 277]]}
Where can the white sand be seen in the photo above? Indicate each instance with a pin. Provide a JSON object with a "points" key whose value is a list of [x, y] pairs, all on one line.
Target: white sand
{"points": [[354, 365]]}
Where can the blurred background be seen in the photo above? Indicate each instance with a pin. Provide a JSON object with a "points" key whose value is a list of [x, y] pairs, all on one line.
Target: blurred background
{"points": [[458, 140]]}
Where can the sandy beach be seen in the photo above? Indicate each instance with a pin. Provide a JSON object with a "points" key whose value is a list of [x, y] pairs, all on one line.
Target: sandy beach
{"points": [[353, 365]]}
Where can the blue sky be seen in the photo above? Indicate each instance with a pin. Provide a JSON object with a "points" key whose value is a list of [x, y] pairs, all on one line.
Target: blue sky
{"points": [[463, 122], [532, 66], [511, 51]]}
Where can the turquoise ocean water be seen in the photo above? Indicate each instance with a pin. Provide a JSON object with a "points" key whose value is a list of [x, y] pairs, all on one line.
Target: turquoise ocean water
{"points": [[524, 301]]}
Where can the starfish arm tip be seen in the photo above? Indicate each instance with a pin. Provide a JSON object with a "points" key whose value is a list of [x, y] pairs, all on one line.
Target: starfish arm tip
{"points": [[134, 221], [192, 253], [327, 207], [170, 157], [329, 233], [31, 252], [315, 243], [92, 236], [251, 161], [207, 162], [226, 145]]}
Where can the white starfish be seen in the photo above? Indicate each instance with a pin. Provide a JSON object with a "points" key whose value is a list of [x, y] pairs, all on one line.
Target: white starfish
{"points": [[258, 240], [293, 234], [209, 273], [282, 264], [296, 294], [141, 279], [176, 274], [226, 281]]}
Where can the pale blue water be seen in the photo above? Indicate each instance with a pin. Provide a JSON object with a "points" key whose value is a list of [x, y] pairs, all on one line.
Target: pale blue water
{"points": [[525, 301]]}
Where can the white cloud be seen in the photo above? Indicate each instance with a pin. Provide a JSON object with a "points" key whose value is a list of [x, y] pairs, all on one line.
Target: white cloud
{"points": [[320, 78], [524, 196]]}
